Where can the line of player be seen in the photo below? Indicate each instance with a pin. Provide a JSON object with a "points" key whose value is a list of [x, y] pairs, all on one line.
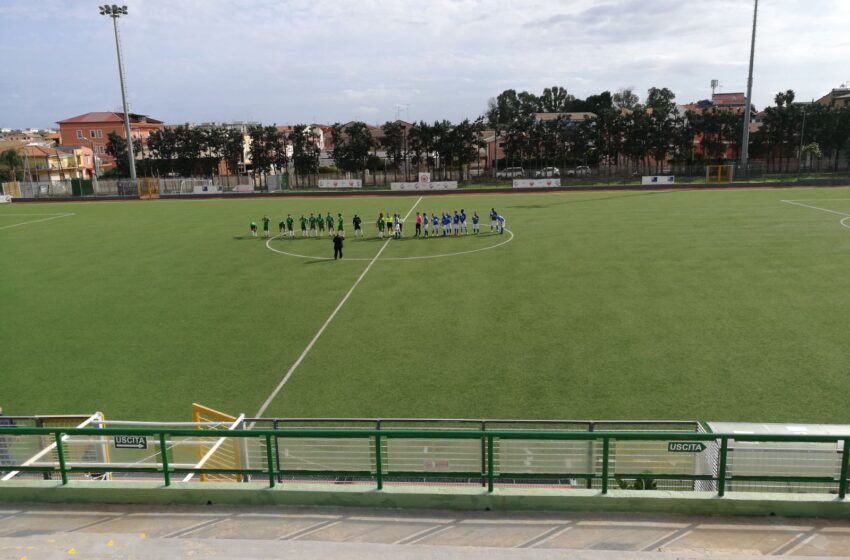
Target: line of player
{"points": [[446, 223]]}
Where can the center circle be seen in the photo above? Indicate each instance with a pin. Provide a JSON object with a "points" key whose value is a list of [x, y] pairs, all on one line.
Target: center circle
{"points": [[411, 258]]}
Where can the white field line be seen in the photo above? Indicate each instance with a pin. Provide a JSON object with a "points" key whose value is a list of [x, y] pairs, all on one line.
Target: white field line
{"points": [[321, 330], [213, 449], [51, 447], [439, 256], [844, 222], [34, 221], [795, 203]]}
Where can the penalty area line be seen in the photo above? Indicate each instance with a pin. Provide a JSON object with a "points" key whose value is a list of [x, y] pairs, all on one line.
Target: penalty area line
{"points": [[327, 322], [56, 217]]}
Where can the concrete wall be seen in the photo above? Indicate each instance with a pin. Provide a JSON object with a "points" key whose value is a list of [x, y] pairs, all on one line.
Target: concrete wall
{"points": [[690, 503]]}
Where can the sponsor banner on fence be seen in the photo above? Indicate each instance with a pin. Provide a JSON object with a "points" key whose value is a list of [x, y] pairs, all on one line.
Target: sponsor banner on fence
{"points": [[657, 180], [5, 198], [536, 183], [340, 183], [431, 186]]}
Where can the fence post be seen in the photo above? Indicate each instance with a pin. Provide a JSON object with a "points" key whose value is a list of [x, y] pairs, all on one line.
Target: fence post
{"points": [[379, 475], [277, 452], [483, 454], [60, 451], [163, 451], [845, 456], [721, 475], [270, 460], [606, 444], [490, 461]]}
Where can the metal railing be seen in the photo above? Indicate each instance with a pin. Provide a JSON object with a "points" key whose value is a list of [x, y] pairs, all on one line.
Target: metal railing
{"points": [[381, 455]]}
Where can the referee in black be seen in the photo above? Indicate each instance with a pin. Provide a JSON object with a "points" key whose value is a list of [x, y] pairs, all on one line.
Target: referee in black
{"points": [[337, 246]]}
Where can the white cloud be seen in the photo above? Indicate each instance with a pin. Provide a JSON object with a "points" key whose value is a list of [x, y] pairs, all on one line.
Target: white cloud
{"points": [[328, 60]]}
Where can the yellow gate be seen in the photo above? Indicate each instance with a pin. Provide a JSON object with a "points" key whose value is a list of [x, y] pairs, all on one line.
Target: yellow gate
{"points": [[148, 188], [227, 455]]}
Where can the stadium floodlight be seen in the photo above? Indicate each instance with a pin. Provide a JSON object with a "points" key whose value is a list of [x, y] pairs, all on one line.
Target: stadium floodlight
{"points": [[114, 11], [745, 142]]}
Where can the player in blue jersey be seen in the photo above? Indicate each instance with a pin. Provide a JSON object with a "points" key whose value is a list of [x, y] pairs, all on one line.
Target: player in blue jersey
{"points": [[494, 219], [463, 221], [475, 219], [456, 223], [501, 220], [435, 221]]}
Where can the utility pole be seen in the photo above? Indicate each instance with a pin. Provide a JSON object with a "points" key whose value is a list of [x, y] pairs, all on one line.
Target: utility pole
{"points": [[114, 11], [745, 142]]}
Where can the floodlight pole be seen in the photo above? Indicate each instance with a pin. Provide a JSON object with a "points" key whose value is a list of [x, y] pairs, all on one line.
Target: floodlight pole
{"points": [[115, 12], [745, 142]]}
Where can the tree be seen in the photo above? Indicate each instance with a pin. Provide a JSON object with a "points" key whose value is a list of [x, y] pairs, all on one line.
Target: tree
{"points": [[661, 110], [116, 147], [503, 109], [555, 100], [421, 144], [233, 150], [305, 151], [12, 160], [467, 142], [625, 98], [353, 143], [395, 143], [268, 150]]}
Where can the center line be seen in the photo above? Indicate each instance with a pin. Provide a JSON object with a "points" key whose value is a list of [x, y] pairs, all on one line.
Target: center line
{"points": [[309, 347]]}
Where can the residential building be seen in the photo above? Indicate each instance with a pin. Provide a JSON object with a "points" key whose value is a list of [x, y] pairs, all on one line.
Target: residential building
{"points": [[94, 129], [572, 117], [729, 100], [838, 97], [84, 157], [43, 164]]}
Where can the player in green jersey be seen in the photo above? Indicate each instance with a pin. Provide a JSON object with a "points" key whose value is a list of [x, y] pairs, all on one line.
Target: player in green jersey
{"points": [[320, 222], [303, 226], [290, 225], [380, 224], [253, 229], [281, 228], [312, 225], [266, 222], [330, 222], [339, 227]]}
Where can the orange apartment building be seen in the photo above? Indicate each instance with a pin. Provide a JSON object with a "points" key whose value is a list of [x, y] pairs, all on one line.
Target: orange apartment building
{"points": [[92, 130]]}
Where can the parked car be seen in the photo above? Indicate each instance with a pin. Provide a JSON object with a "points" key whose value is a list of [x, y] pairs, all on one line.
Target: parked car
{"points": [[580, 171], [547, 172], [510, 173]]}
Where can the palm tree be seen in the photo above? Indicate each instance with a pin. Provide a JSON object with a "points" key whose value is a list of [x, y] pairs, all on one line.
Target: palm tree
{"points": [[12, 160]]}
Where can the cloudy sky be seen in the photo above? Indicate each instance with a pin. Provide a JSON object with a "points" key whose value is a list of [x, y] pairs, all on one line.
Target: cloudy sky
{"points": [[288, 61]]}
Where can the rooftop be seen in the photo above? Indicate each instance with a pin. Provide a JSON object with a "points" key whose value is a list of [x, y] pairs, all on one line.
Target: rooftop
{"points": [[109, 117]]}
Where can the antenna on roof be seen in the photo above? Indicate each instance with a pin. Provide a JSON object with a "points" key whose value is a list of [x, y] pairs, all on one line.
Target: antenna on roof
{"points": [[714, 84]]}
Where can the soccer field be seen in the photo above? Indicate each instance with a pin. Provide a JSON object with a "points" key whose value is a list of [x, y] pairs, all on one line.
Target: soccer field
{"points": [[704, 304]]}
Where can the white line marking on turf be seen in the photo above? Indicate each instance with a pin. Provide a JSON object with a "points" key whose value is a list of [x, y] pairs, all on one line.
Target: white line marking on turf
{"points": [[441, 255], [844, 223], [35, 221], [321, 330], [816, 208]]}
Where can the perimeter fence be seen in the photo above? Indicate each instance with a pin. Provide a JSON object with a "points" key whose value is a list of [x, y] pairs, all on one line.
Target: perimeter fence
{"points": [[376, 453]]}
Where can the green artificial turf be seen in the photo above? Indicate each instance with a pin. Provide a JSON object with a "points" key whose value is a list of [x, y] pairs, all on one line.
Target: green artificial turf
{"points": [[705, 304]]}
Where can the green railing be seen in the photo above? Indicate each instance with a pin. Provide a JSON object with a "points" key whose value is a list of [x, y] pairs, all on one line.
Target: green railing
{"points": [[613, 453]]}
